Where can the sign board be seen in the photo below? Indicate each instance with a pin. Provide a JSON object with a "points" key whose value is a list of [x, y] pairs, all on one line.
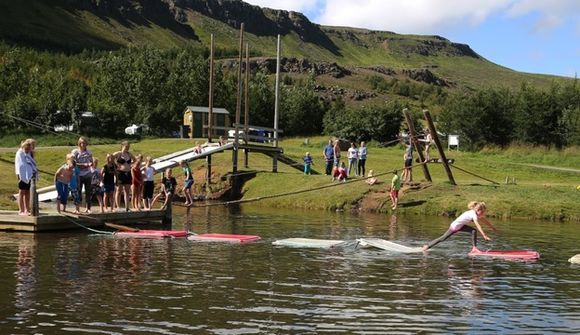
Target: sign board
{"points": [[453, 140]]}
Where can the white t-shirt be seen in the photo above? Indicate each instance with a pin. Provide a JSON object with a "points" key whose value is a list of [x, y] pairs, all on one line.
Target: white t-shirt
{"points": [[362, 152], [149, 173], [463, 219], [352, 153]]}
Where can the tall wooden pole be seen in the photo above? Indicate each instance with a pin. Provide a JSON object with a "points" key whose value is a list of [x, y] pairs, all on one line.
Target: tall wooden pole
{"points": [[238, 104], [210, 110], [415, 143], [439, 147], [276, 105], [246, 104], [34, 195]]}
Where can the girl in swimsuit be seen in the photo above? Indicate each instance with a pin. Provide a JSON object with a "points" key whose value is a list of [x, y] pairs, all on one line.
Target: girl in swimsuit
{"points": [[123, 160], [476, 213]]}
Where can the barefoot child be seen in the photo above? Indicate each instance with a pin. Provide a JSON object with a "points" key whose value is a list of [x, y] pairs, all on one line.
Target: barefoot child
{"points": [[395, 187], [136, 183], [62, 179], [96, 184], [73, 185], [187, 183], [476, 213], [148, 186], [108, 183]]}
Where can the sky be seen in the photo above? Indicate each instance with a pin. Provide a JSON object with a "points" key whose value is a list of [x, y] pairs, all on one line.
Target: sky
{"points": [[535, 36]]}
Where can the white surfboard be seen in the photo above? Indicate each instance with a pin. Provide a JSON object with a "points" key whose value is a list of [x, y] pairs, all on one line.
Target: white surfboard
{"points": [[387, 245], [307, 243]]}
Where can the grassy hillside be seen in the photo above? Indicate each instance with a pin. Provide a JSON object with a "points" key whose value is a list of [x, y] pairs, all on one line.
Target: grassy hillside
{"points": [[54, 25], [539, 192]]}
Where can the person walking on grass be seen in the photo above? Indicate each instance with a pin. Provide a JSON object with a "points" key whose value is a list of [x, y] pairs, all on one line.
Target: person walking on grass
{"points": [[475, 214], [395, 187], [308, 162]]}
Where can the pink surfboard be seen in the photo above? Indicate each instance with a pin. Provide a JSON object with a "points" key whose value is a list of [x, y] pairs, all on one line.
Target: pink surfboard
{"points": [[231, 238], [146, 233], [509, 254]]}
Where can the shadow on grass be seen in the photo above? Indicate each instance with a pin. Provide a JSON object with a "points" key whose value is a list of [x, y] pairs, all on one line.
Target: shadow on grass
{"points": [[412, 203]]}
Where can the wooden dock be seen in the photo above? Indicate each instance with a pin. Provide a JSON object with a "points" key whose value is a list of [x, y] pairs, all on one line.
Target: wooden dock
{"points": [[51, 220]]}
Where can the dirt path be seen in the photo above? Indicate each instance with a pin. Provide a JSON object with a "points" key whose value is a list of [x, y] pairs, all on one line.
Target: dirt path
{"points": [[547, 167]]}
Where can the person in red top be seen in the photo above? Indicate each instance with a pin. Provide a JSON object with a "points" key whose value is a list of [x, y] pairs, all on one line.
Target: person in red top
{"points": [[136, 183]]}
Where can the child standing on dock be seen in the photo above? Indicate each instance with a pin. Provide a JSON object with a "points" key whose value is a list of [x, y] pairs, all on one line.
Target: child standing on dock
{"points": [[96, 189], [62, 179], [308, 163], [475, 214], [187, 183], [148, 185], [74, 184], [136, 182], [108, 183]]}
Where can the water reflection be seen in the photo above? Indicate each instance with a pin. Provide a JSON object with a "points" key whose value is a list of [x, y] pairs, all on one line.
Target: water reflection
{"points": [[78, 282]]}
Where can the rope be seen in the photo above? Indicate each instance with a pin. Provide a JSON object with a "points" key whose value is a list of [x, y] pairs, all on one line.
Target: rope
{"points": [[473, 174], [297, 192], [88, 228]]}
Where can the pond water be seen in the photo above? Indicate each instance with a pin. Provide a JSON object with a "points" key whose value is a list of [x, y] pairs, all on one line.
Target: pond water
{"points": [[79, 282]]}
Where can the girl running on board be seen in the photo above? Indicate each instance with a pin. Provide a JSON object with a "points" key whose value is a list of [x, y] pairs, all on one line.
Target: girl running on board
{"points": [[476, 213]]}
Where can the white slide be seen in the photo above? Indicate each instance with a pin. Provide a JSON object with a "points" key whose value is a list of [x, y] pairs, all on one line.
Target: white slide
{"points": [[160, 164], [387, 245]]}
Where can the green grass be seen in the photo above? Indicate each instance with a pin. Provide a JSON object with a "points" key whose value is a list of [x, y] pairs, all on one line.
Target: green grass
{"points": [[537, 194]]}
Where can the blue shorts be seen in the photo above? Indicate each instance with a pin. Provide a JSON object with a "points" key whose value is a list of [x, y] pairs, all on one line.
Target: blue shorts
{"points": [[62, 192], [188, 184]]}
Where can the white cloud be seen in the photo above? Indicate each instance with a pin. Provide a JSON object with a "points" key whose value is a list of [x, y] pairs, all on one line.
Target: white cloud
{"points": [[427, 16]]}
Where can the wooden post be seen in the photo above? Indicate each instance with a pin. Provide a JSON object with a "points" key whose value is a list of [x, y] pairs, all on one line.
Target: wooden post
{"points": [[167, 218], [238, 105], [277, 94], [439, 147], [276, 106], [415, 143], [34, 196], [210, 107], [210, 112], [247, 105]]}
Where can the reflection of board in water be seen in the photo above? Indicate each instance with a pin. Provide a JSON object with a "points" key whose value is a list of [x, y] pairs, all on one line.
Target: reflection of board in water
{"points": [[509, 254]]}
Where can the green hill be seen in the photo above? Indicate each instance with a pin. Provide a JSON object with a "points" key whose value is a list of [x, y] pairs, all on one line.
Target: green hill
{"points": [[74, 25]]}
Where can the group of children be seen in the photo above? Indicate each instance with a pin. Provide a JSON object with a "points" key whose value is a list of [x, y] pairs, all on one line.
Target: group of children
{"points": [[106, 182]]}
